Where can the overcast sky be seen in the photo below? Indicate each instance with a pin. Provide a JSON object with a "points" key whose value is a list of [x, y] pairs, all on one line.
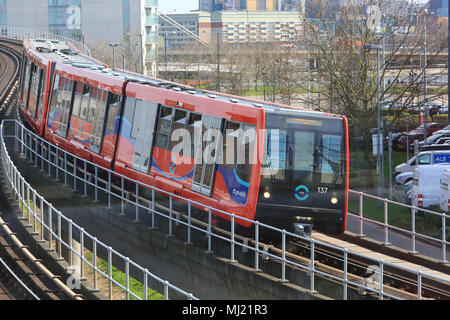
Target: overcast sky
{"points": [[177, 5]]}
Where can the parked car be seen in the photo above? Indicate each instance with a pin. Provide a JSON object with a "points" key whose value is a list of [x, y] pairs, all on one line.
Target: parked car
{"points": [[433, 139], [423, 158], [446, 129], [402, 142], [402, 178], [431, 127], [435, 147], [426, 184]]}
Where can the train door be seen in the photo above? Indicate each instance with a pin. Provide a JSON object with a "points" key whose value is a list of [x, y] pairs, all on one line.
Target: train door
{"points": [[143, 129], [64, 102], [207, 143], [303, 161], [98, 121]]}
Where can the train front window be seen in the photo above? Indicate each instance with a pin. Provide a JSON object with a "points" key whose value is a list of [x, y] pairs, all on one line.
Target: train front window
{"points": [[303, 152], [274, 161], [331, 159], [303, 156]]}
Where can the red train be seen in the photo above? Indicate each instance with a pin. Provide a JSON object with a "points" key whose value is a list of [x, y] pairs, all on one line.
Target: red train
{"points": [[280, 165]]}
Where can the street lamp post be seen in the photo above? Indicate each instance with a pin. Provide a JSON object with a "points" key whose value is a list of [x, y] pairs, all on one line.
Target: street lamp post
{"points": [[114, 45], [379, 139], [425, 122]]}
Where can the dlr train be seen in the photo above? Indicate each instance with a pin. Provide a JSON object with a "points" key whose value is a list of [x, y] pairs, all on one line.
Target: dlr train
{"points": [[280, 165]]}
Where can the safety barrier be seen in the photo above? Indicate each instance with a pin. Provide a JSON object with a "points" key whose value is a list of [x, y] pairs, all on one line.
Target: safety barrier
{"points": [[45, 154], [42, 216], [22, 33], [412, 232]]}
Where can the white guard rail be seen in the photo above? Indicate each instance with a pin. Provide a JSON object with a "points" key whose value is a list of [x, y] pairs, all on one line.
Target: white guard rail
{"points": [[39, 213], [22, 33], [44, 154], [442, 241]]}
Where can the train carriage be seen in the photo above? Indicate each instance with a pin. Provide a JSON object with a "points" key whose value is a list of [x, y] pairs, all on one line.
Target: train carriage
{"points": [[280, 165], [82, 112], [35, 77]]}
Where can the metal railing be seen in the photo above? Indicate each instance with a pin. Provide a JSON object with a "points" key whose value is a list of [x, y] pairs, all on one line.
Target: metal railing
{"points": [[22, 33], [17, 279], [48, 222], [412, 232], [43, 154]]}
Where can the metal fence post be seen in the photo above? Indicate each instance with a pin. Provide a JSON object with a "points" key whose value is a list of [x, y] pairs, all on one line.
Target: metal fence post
{"points": [[232, 240], [386, 228], [189, 223], [312, 266], [361, 221], [413, 230], [345, 273], [444, 239], [257, 246]]}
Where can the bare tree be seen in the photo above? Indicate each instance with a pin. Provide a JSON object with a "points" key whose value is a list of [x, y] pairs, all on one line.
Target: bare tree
{"points": [[338, 38]]}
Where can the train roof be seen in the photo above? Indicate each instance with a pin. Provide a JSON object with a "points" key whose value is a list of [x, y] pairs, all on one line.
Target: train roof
{"points": [[62, 52]]}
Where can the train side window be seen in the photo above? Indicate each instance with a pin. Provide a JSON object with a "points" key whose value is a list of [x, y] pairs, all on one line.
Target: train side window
{"points": [[78, 97], [66, 100], [164, 127], [143, 127], [85, 100], [245, 152], [179, 122], [26, 83], [31, 100], [128, 114], [92, 104], [230, 142], [195, 121], [41, 98], [137, 119], [23, 76], [113, 111], [53, 101], [98, 121]]}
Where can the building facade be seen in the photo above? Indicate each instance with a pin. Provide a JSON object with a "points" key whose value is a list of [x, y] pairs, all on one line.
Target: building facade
{"points": [[130, 23], [250, 5], [232, 26]]}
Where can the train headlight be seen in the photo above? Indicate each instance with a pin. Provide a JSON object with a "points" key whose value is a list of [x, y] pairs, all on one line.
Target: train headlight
{"points": [[266, 195], [334, 200]]}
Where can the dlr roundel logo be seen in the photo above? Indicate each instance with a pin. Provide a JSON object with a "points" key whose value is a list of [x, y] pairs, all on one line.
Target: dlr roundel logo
{"points": [[301, 192]]}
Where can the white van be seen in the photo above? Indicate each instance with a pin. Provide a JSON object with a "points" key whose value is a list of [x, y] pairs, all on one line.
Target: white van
{"points": [[427, 184], [444, 200], [422, 158]]}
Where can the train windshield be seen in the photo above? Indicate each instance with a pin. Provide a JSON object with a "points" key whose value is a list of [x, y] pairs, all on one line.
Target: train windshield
{"points": [[310, 151]]}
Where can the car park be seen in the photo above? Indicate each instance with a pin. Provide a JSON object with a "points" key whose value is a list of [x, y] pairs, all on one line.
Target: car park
{"points": [[423, 158]]}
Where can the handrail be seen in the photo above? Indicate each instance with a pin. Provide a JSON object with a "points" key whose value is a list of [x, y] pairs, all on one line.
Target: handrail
{"points": [[29, 198], [414, 234], [39, 150], [23, 33]]}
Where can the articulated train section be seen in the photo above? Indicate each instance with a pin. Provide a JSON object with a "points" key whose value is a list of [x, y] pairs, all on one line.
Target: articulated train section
{"points": [[137, 224]]}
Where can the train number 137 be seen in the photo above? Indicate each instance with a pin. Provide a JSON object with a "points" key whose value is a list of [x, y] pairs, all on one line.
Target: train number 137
{"points": [[322, 189]]}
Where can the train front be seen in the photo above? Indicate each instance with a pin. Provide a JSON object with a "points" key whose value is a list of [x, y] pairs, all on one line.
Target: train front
{"points": [[304, 179]]}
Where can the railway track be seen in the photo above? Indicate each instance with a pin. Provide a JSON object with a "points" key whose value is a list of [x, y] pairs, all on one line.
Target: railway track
{"points": [[22, 275], [396, 282]]}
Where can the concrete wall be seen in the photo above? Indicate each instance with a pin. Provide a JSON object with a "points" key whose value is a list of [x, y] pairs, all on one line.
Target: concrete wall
{"points": [[206, 275]]}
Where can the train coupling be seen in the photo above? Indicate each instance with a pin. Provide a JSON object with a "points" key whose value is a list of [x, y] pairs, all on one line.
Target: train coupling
{"points": [[303, 226]]}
